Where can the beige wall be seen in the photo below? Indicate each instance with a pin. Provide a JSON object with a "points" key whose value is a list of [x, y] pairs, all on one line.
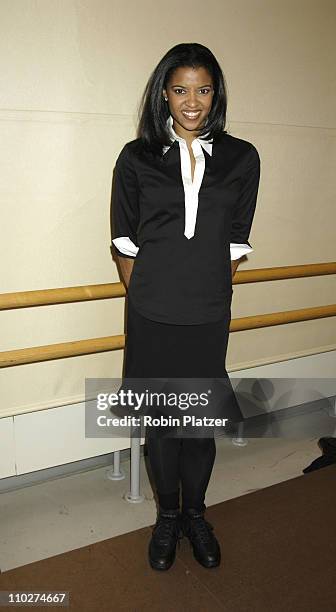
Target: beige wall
{"points": [[72, 72]]}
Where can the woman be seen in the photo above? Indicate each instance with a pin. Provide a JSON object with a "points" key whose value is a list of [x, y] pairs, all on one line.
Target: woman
{"points": [[183, 202]]}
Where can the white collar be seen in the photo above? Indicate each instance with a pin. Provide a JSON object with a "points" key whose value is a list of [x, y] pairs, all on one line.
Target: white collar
{"points": [[206, 144]]}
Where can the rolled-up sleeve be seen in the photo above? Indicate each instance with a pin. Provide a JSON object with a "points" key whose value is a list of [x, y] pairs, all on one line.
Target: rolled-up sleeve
{"points": [[245, 207], [124, 207]]}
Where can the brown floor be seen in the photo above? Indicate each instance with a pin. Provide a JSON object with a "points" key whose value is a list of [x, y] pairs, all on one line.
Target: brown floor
{"points": [[278, 555]]}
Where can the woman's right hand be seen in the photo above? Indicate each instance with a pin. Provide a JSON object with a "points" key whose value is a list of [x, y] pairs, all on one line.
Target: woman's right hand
{"points": [[125, 265]]}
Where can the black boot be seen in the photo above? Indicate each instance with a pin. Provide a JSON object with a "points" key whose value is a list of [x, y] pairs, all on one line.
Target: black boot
{"points": [[166, 534], [200, 534]]}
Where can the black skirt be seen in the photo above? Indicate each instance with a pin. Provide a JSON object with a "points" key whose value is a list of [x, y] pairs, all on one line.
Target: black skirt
{"points": [[194, 354], [165, 350]]}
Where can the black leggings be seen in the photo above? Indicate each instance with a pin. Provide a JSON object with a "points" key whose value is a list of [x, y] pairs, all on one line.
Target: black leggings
{"points": [[189, 460]]}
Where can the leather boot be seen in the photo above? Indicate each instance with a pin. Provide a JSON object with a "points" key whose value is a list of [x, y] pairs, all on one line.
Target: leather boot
{"points": [[166, 534], [200, 534]]}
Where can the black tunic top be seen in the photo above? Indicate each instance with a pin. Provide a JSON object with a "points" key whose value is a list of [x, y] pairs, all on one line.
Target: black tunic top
{"points": [[175, 279]]}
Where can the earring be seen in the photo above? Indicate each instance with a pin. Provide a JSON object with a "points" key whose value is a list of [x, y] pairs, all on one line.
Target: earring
{"points": [[166, 99]]}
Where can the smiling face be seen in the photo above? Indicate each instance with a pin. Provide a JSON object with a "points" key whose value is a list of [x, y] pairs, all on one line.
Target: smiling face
{"points": [[190, 93]]}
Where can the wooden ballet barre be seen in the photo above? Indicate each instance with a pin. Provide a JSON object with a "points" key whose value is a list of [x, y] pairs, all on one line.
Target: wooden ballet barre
{"points": [[283, 272], [61, 350], [64, 295], [110, 343]]}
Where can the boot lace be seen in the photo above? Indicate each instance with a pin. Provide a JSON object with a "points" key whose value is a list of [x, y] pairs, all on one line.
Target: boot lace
{"points": [[165, 529], [202, 530]]}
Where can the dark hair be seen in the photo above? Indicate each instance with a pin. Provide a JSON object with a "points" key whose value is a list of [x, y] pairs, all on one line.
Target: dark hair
{"points": [[154, 110]]}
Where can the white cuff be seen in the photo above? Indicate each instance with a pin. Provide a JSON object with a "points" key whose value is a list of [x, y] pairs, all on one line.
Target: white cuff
{"points": [[238, 250], [126, 246]]}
